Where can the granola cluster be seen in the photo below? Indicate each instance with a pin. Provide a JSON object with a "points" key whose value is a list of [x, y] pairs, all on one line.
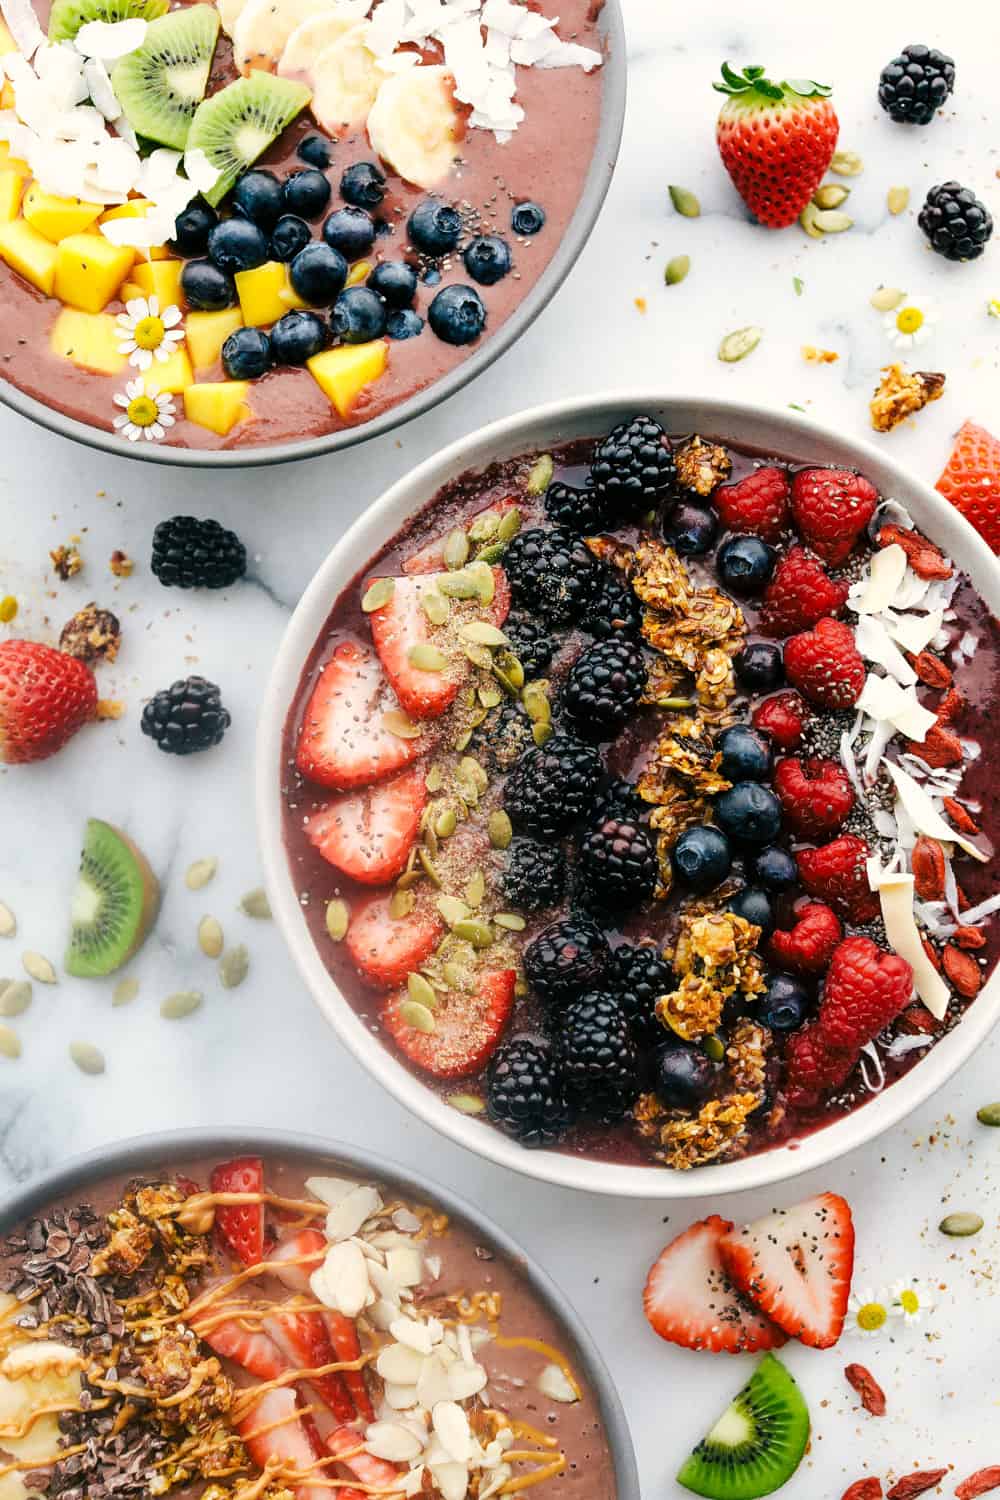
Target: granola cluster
{"points": [[902, 392], [92, 634], [701, 466], [715, 957]]}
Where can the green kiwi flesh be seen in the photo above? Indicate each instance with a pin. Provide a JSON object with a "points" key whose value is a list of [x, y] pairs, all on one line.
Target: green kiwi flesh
{"points": [[114, 903], [758, 1442], [161, 84], [67, 16], [235, 125]]}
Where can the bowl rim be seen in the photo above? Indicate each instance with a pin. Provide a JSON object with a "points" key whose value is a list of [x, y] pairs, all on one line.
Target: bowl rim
{"points": [[575, 237], [138, 1152], [715, 416]]}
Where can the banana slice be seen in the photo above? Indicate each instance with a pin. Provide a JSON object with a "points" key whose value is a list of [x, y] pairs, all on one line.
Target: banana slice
{"points": [[345, 80], [415, 126], [35, 1376], [229, 12], [314, 35], [263, 27]]}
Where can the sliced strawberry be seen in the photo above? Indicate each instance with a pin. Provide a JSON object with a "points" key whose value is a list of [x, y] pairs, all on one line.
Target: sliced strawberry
{"points": [[273, 1432], [378, 1474], [251, 1349], [304, 1339], [430, 558], [797, 1266], [689, 1299], [241, 1225], [296, 1256], [368, 834], [342, 741], [467, 1027], [386, 948], [303, 1252]]}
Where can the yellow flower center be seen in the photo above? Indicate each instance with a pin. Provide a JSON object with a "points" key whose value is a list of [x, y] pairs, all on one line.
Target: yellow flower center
{"points": [[142, 411], [909, 319], [909, 1302], [149, 333], [872, 1316]]}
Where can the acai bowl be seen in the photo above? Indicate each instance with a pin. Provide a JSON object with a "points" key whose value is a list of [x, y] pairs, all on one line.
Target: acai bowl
{"points": [[257, 232], [662, 932]]}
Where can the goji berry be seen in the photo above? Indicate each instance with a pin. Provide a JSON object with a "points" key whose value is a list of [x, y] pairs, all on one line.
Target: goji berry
{"points": [[939, 747], [959, 816], [926, 560], [917, 1018], [962, 970], [917, 1483], [931, 951], [979, 1483], [951, 705], [928, 865], [870, 1393], [970, 938], [931, 670], [864, 1489]]}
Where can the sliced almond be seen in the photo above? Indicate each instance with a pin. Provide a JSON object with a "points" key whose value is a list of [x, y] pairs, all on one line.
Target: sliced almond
{"points": [[393, 1441]]}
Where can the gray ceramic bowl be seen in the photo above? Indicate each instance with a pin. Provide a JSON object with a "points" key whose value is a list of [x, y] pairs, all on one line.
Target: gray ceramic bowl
{"points": [[150, 1151], [578, 232]]}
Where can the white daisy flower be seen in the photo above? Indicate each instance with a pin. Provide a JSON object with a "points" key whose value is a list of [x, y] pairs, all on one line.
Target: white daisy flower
{"points": [[910, 1301], [868, 1312], [146, 333], [143, 415], [910, 322]]}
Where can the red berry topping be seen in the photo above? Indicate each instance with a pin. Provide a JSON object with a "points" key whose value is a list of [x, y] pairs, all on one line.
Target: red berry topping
{"points": [[825, 665], [782, 716], [45, 696], [831, 508], [815, 795], [757, 504], [809, 946], [836, 873], [971, 481], [800, 593]]}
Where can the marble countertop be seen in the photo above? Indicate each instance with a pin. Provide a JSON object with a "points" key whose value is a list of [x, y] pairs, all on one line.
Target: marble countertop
{"points": [[261, 1053]]}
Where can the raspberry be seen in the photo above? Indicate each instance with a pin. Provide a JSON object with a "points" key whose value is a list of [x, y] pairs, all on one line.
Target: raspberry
{"points": [[812, 1067], [757, 504], [836, 873], [782, 716], [825, 665], [809, 946], [800, 593], [815, 795], [831, 508]]}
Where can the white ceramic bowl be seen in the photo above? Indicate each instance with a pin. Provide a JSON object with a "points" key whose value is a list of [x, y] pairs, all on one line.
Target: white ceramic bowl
{"points": [[541, 428]]}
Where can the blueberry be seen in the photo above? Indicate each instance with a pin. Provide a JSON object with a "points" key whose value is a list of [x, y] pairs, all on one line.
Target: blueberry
{"points": [[773, 868], [191, 228], [701, 858], [351, 231], [315, 150], [404, 323], [306, 193], [358, 315], [395, 281], [745, 564], [318, 274], [246, 354], [487, 259], [784, 1004], [755, 906], [434, 227], [363, 185], [257, 196], [289, 236], [237, 245], [431, 277], [746, 754], [691, 529], [527, 218], [205, 287], [759, 666], [457, 314], [684, 1077], [296, 337], [749, 813]]}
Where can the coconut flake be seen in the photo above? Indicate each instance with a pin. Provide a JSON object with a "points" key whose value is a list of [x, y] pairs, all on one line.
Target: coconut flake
{"points": [[98, 81], [109, 40], [901, 1045], [974, 914], [873, 595], [914, 632], [869, 1056], [22, 23], [924, 814], [199, 170], [875, 644], [896, 900]]}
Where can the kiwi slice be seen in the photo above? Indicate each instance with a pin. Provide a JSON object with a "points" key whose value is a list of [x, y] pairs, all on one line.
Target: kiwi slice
{"points": [[235, 125], [114, 902], [161, 83], [67, 16], [758, 1442]]}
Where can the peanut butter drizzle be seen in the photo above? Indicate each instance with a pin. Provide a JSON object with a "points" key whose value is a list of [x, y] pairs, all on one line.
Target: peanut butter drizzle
{"points": [[250, 1395], [549, 1353], [251, 1314], [8, 1430], [25, 1464], [249, 1273], [543, 1472], [197, 1202], [472, 1309]]}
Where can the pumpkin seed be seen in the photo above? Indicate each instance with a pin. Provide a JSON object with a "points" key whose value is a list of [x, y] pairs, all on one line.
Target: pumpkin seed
{"points": [[509, 671], [456, 550], [430, 839], [15, 997], [684, 201], [408, 879], [466, 1104], [737, 345], [478, 655], [510, 521], [511, 920], [847, 164], [832, 220], [476, 889], [473, 931], [88, 1058], [446, 823], [477, 717], [831, 195], [37, 966], [484, 580], [200, 873], [377, 595], [398, 723], [455, 976], [482, 633], [714, 1048], [485, 527], [435, 606], [401, 903], [536, 702], [234, 966], [426, 658], [492, 552], [416, 1015], [470, 769], [676, 269], [125, 991], [885, 298], [256, 904], [898, 199], [540, 474], [489, 696], [180, 1004], [421, 990], [210, 939], [452, 909], [540, 733], [427, 865], [961, 1226], [10, 1043], [434, 780], [807, 220], [500, 829], [459, 585], [8, 922], [462, 740], [338, 917], [988, 1115]]}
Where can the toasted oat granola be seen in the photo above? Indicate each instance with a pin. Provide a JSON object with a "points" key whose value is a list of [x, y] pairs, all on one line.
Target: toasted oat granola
{"points": [[701, 466], [92, 634], [902, 392], [715, 956], [66, 562], [683, 1142]]}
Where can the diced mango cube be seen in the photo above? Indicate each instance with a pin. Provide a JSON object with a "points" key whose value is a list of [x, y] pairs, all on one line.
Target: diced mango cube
{"points": [[57, 217], [7, 42], [8, 98], [265, 293], [13, 162], [173, 374], [344, 372], [135, 208], [206, 332], [89, 270], [359, 272], [29, 253], [11, 187], [159, 278], [90, 340], [217, 404]]}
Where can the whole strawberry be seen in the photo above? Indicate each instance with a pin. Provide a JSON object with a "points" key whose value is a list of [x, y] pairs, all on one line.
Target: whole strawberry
{"points": [[757, 504], [800, 594], [831, 508], [783, 717], [837, 874], [45, 696], [816, 795], [825, 665], [808, 947], [971, 481], [776, 141]]}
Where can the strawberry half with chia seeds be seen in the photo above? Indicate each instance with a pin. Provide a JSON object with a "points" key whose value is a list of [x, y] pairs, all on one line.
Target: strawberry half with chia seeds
{"points": [[800, 594], [825, 665], [776, 141], [45, 697], [343, 741], [368, 834], [386, 948], [756, 505], [831, 508], [837, 874], [816, 795], [466, 1026], [690, 1300]]}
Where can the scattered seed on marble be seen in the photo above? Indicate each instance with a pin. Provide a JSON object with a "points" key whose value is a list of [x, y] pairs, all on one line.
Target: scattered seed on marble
{"points": [[8, 922], [200, 873], [540, 476], [961, 1225], [807, 219], [38, 967], [847, 164], [416, 1015], [256, 904], [337, 918], [500, 829], [125, 991], [466, 1104], [88, 1058], [10, 1043], [684, 201], [8, 609], [175, 1007], [989, 1114], [885, 298], [831, 195], [15, 996], [676, 269], [737, 345], [832, 220], [210, 939], [234, 966], [898, 199]]}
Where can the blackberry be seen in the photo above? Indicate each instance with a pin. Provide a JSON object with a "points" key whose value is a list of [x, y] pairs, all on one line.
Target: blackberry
{"points": [[553, 785], [956, 223], [504, 735], [618, 865], [633, 467], [620, 799], [525, 1094], [551, 573], [193, 554], [604, 686], [640, 976], [186, 717], [532, 644], [913, 87], [584, 511], [613, 609], [598, 1055], [535, 875], [570, 956]]}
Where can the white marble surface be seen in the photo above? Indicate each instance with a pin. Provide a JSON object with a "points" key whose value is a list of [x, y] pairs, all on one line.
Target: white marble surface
{"points": [[261, 1054]]}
